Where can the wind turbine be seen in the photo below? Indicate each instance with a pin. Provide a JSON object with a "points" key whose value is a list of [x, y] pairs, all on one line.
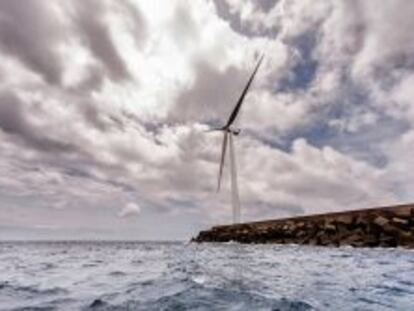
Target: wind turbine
{"points": [[228, 139]]}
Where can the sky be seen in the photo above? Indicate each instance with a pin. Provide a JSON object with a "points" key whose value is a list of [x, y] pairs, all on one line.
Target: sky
{"points": [[104, 107]]}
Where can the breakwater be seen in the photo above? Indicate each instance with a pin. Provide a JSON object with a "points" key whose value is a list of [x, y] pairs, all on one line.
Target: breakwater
{"points": [[384, 226]]}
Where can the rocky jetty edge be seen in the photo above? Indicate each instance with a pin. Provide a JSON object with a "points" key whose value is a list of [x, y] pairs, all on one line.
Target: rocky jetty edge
{"points": [[390, 226]]}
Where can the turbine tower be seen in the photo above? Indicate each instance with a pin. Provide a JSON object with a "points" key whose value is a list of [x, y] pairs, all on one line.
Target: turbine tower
{"points": [[229, 132]]}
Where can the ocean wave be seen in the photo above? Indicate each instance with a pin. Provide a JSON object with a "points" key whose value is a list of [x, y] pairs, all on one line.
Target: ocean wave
{"points": [[202, 298], [13, 289]]}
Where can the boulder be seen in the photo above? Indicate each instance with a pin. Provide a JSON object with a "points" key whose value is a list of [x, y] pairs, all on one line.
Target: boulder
{"points": [[390, 229], [361, 222], [352, 238], [344, 219], [406, 238], [403, 213], [299, 225], [301, 233], [388, 241], [342, 228], [371, 240], [400, 222], [381, 221], [330, 228], [324, 240]]}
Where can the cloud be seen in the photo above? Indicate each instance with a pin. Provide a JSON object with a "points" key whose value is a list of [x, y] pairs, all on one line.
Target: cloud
{"points": [[211, 96], [97, 37], [14, 121], [32, 33], [131, 209]]}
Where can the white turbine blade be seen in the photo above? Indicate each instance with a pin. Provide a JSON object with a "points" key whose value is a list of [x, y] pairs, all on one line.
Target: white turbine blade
{"points": [[223, 156], [234, 185]]}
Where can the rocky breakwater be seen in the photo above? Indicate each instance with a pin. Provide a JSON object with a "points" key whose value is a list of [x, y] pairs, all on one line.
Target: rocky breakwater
{"points": [[385, 227]]}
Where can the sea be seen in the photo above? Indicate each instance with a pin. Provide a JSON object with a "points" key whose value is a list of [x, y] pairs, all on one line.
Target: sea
{"points": [[188, 276]]}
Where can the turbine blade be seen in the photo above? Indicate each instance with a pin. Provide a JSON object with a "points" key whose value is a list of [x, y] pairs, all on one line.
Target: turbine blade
{"points": [[243, 94], [223, 156]]}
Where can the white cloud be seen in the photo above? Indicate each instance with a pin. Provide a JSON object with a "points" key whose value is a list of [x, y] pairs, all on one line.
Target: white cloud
{"points": [[131, 209]]}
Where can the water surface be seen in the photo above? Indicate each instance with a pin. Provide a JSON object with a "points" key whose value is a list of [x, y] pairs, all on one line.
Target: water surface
{"points": [[176, 276]]}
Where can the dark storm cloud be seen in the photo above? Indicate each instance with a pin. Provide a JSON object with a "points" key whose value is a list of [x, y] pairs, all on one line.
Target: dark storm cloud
{"points": [[29, 33], [213, 95], [14, 121]]}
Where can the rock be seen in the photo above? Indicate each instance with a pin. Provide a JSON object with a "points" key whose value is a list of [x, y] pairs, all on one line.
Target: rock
{"points": [[300, 225], [361, 222], [342, 228], [403, 213], [330, 228], [345, 219], [320, 233], [372, 240], [301, 233], [388, 241], [381, 221], [390, 229], [406, 237], [400, 223], [325, 240], [358, 244], [245, 231], [353, 238]]}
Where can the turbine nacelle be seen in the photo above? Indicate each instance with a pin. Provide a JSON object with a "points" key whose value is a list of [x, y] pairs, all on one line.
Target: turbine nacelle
{"points": [[234, 131]]}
